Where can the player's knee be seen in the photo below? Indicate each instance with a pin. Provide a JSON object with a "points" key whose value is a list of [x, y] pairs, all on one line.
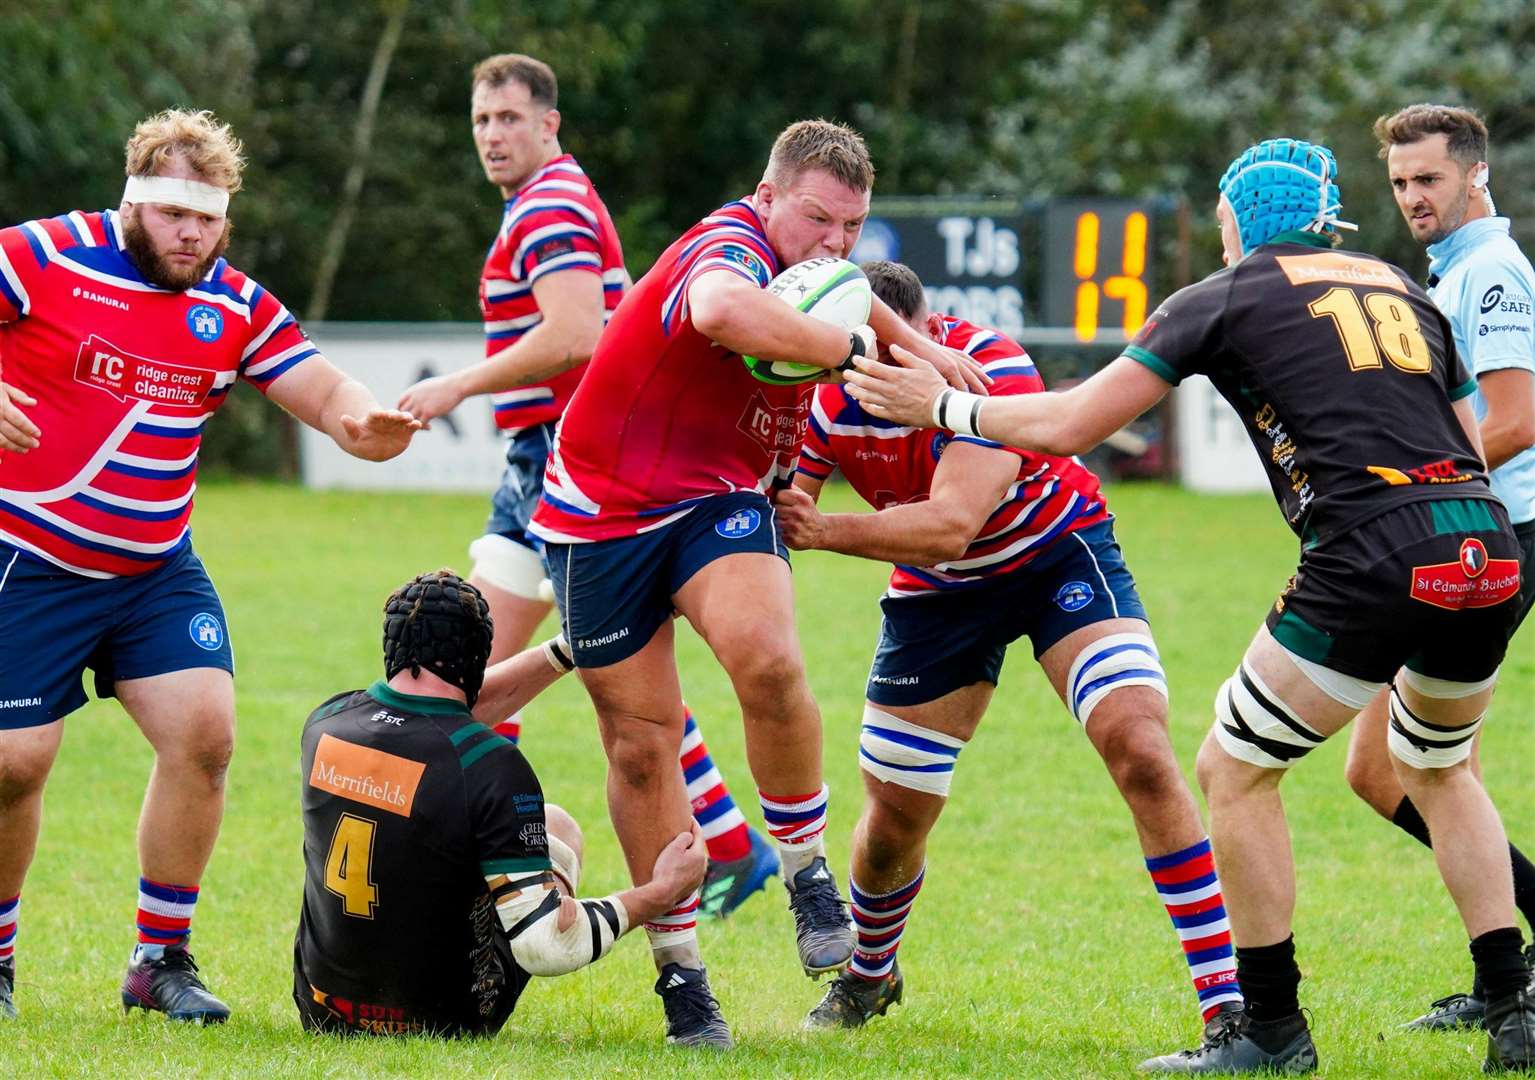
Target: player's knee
{"points": [[888, 833], [1140, 759], [22, 776], [638, 750], [560, 823], [767, 676]]}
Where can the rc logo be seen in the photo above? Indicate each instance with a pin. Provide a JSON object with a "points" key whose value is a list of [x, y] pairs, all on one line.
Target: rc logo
{"points": [[205, 322], [1074, 596], [743, 522], [1473, 557], [206, 631]]}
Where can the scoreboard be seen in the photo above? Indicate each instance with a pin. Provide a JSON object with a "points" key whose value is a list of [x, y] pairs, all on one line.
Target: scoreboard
{"points": [[1085, 265]]}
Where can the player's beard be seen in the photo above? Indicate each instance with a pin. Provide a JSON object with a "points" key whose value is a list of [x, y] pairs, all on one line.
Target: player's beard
{"points": [[156, 268], [1453, 217]]}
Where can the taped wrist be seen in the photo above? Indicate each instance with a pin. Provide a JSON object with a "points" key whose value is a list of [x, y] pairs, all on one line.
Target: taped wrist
{"points": [[959, 412], [531, 918], [557, 652], [860, 343]]}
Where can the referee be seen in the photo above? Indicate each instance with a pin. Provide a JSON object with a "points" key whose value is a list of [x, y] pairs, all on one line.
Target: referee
{"points": [[436, 879]]}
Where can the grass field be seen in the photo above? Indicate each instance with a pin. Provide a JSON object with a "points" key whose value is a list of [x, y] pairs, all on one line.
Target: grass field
{"points": [[1037, 948]]}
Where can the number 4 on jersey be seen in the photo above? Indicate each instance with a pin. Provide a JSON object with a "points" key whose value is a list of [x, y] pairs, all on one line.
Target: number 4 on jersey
{"points": [[348, 867]]}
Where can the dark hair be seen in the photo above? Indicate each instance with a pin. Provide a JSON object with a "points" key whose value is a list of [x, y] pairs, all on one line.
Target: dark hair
{"points": [[537, 76], [821, 144], [1464, 130], [897, 285], [439, 622]]}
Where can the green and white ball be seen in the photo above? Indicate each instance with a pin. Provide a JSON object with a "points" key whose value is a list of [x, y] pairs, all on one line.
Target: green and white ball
{"points": [[832, 290]]}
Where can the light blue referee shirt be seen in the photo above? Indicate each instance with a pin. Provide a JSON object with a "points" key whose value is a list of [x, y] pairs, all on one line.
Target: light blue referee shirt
{"points": [[1486, 288]]}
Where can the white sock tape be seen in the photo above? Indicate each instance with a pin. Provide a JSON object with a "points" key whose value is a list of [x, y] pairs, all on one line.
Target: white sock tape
{"points": [[174, 191]]}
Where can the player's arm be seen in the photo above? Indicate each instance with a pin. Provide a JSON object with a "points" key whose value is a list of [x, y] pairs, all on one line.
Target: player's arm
{"points": [[894, 330], [1467, 417], [517, 680], [325, 398], [731, 311], [1508, 429], [1074, 421], [967, 486], [570, 304], [554, 934], [810, 485]]}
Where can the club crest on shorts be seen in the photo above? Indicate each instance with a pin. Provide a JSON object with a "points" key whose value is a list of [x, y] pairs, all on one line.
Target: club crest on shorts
{"points": [[207, 632], [1074, 596], [743, 522], [205, 322], [1473, 557]]}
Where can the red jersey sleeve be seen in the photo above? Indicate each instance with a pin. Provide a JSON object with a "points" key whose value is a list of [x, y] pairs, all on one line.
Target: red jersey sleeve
{"points": [[20, 267], [547, 234], [817, 459], [278, 343]]}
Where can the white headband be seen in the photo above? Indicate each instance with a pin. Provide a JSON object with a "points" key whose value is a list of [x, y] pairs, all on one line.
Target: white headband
{"points": [[171, 191]]}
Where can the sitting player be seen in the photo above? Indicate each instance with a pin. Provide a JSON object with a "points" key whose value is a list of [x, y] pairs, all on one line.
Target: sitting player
{"points": [[436, 880], [990, 544]]}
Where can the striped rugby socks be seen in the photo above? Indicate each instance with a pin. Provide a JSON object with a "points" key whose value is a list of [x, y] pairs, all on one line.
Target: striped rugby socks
{"points": [[879, 920], [165, 915], [796, 822], [1189, 888], [723, 826], [9, 910]]}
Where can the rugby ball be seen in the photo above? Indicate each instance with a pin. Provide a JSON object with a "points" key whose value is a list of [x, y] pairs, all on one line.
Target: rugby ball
{"points": [[832, 290]]}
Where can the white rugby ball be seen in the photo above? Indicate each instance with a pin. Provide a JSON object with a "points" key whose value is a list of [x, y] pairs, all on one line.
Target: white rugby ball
{"points": [[832, 290]]}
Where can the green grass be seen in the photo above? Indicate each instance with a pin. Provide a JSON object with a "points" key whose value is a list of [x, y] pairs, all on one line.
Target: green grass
{"points": [[1037, 948]]}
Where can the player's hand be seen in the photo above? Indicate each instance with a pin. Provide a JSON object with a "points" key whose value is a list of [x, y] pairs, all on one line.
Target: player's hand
{"points": [[431, 398], [960, 370], [380, 435], [803, 524], [903, 390], [681, 866], [18, 434]]}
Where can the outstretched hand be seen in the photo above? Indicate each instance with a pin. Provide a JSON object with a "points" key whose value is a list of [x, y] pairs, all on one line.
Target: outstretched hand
{"points": [[18, 433], [903, 390], [431, 398], [381, 434]]}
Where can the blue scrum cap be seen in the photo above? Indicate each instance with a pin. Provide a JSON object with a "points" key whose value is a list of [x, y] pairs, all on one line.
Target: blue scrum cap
{"points": [[1281, 185]]}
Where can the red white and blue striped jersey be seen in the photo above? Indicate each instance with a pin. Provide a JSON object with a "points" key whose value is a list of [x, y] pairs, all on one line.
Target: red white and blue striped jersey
{"points": [[555, 222], [125, 375], [889, 465], [667, 417]]}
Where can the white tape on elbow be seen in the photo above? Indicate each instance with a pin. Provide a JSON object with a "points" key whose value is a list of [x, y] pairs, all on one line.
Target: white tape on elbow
{"points": [[541, 948], [507, 565], [903, 753], [1427, 746], [1109, 663]]}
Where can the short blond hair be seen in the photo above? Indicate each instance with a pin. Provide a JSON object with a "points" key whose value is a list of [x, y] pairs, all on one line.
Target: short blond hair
{"points": [[821, 144], [210, 147]]}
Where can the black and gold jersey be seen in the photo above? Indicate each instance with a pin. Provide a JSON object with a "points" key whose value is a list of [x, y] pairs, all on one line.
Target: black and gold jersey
{"points": [[1342, 370], [408, 804]]}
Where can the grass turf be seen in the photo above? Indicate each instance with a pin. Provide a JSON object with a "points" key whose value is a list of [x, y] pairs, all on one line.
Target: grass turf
{"points": [[1037, 948]]}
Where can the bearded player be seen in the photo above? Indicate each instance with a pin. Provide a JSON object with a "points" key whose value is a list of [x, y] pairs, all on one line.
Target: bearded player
{"points": [[1408, 577], [121, 333], [990, 544], [551, 280], [654, 502]]}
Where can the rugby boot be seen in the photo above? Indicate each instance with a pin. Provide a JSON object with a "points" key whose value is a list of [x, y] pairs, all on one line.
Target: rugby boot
{"points": [[1229, 1047], [169, 984], [822, 928], [692, 1013], [728, 884], [1449, 1013], [1511, 1034], [7, 989], [852, 1001]]}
